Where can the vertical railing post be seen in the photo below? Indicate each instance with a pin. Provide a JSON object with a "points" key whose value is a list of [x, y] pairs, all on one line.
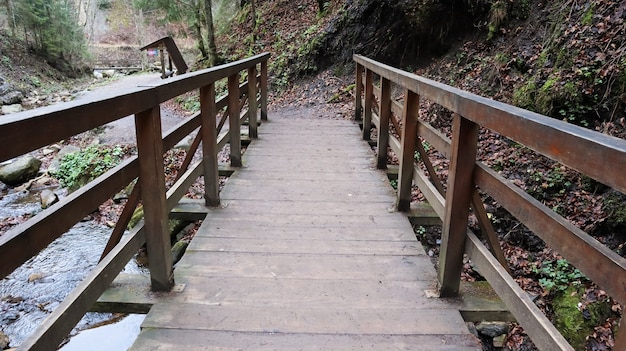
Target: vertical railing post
{"points": [[407, 158], [208, 121], [458, 199], [264, 90], [383, 127], [234, 123], [152, 178], [252, 103], [358, 109], [369, 97]]}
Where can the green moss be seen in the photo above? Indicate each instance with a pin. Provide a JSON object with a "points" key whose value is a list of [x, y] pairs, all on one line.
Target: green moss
{"points": [[524, 96], [137, 216], [576, 324], [545, 96], [587, 18]]}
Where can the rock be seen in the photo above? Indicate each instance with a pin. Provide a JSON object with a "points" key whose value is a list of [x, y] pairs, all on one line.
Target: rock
{"points": [[178, 250], [8, 109], [492, 329], [5, 87], [472, 328], [108, 73], [498, 341], [4, 341], [35, 277], [20, 170], [48, 198], [12, 97], [97, 75]]}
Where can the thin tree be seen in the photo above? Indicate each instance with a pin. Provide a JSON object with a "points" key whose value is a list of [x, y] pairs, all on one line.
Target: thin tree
{"points": [[212, 52]]}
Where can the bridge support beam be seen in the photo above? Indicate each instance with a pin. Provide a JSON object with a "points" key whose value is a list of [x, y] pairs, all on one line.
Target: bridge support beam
{"points": [[233, 119], [407, 158], [152, 178], [458, 197], [208, 111]]}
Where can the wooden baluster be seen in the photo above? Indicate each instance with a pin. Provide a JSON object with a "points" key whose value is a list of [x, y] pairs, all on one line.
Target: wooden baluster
{"points": [[409, 136], [252, 103], [358, 110], [208, 119], [458, 199], [264, 90], [383, 128], [369, 97], [152, 177], [620, 338], [234, 123]]}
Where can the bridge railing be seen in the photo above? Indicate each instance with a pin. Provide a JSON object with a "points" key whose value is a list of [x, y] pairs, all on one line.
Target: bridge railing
{"points": [[596, 155], [66, 120]]}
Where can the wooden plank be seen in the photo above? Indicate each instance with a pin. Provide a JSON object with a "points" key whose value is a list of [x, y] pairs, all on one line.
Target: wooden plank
{"points": [[369, 97], [192, 340], [313, 321], [383, 125], [152, 178], [479, 302], [299, 246], [285, 233], [252, 103], [233, 120], [309, 293], [358, 110], [209, 145], [320, 221], [263, 85], [409, 135], [128, 293], [292, 207], [460, 188], [535, 323], [290, 266]]}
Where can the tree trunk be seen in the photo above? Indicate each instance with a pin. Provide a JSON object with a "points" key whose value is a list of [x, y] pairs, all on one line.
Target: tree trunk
{"points": [[212, 52], [320, 3], [198, 29], [253, 14], [11, 18]]}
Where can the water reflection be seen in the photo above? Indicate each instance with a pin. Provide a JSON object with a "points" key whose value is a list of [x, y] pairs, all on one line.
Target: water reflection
{"points": [[35, 289]]}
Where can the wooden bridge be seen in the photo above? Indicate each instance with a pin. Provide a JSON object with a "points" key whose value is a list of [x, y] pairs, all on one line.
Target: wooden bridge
{"points": [[307, 246]]}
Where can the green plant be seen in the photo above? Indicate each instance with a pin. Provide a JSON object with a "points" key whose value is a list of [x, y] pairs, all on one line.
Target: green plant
{"points": [[78, 168], [5, 60], [394, 184], [558, 275]]}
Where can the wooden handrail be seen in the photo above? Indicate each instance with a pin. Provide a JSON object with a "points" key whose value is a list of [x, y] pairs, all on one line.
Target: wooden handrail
{"points": [[65, 120], [594, 154]]}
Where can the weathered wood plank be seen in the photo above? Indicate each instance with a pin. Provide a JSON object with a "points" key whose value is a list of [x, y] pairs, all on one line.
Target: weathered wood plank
{"points": [[346, 267], [312, 321], [192, 340], [285, 233]]}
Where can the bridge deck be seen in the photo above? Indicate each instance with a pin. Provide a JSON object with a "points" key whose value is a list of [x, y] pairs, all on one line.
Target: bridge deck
{"points": [[306, 254]]}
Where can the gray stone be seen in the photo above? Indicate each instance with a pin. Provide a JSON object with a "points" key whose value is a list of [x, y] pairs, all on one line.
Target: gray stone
{"points": [[4, 341], [499, 341], [12, 97], [48, 198], [98, 75], [20, 170], [5, 87], [108, 73], [492, 329], [8, 109]]}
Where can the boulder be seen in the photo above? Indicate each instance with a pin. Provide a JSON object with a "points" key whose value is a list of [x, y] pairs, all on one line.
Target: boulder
{"points": [[20, 170], [8, 109], [12, 97], [108, 73], [4, 341], [48, 198], [492, 329], [98, 75]]}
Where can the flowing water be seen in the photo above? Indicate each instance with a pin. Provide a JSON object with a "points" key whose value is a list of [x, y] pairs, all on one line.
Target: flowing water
{"points": [[30, 293]]}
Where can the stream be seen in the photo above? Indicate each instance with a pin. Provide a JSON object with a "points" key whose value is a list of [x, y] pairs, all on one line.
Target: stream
{"points": [[31, 292]]}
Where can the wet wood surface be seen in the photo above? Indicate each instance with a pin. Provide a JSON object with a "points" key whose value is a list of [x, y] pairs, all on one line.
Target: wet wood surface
{"points": [[306, 253]]}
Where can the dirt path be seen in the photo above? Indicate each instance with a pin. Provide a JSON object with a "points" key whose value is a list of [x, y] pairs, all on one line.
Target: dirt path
{"points": [[122, 131]]}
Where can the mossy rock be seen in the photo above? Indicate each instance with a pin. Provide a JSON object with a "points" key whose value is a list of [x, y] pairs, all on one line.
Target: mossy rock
{"points": [[575, 324]]}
